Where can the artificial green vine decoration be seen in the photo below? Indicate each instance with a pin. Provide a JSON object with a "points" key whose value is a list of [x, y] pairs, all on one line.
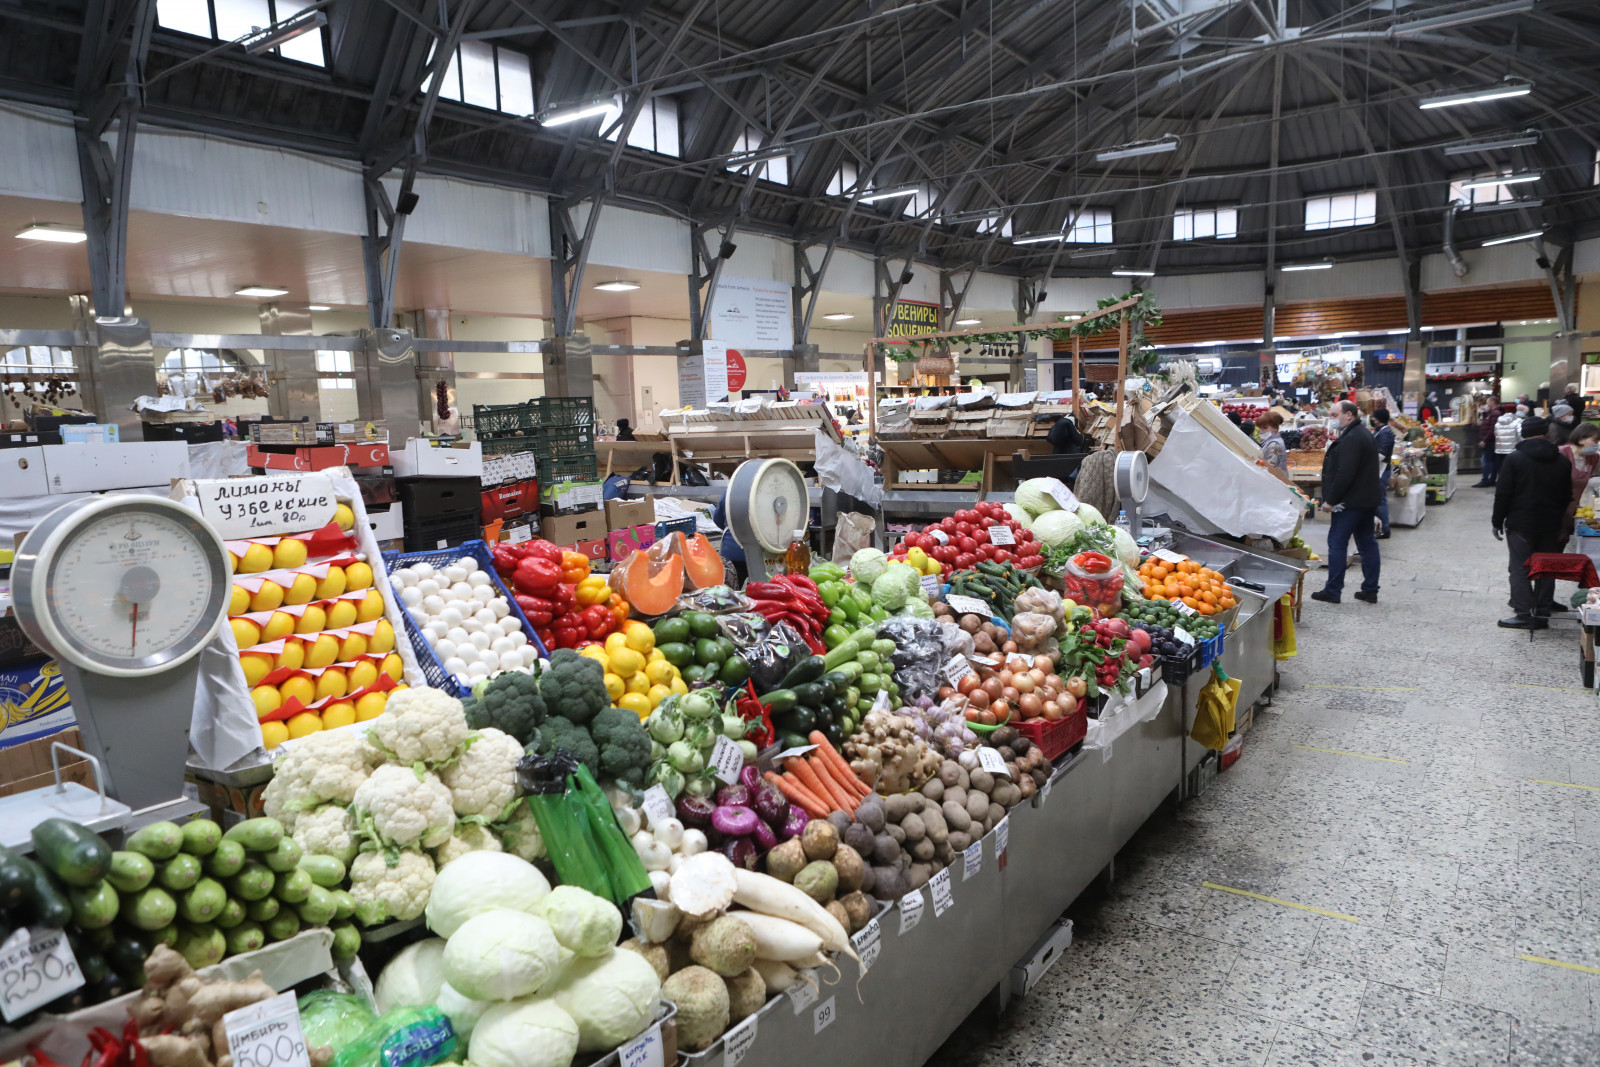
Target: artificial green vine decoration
{"points": [[1141, 315]]}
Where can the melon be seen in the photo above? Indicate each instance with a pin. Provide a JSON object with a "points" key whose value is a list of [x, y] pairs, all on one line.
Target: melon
{"points": [[650, 581]]}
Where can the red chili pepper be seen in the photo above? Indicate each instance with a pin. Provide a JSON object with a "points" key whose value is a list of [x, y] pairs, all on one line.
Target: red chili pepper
{"points": [[804, 581]]}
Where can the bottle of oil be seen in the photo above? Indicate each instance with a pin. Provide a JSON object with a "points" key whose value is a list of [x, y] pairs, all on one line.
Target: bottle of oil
{"points": [[797, 560]]}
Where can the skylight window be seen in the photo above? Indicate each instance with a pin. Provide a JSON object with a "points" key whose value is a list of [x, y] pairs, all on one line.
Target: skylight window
{"points": [[773, 169], [1338, 210], [1195, 223], [229, 20], [1091, 226], [843, 182], [488, 76], [656, 129]]}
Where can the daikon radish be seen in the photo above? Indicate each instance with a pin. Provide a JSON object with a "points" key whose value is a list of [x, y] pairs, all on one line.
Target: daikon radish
{"points": [[779, 976], [767, 895], [780, 939]]}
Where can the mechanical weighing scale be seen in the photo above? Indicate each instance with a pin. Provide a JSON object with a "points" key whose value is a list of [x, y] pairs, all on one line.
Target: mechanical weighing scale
{"points": [[1133, 485], [769, 507], [124, 592]]}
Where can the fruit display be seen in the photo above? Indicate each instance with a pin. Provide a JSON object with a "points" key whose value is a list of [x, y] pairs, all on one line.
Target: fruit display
{"points": [[1314, 438], [1095, 579], [1187, 582], [466, 618], [557, 593], [962, 541], [1245, 409]]}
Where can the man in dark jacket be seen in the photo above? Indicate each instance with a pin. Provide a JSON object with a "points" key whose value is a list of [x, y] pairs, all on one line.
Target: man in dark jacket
{"points": [[1530, 505], [1352, 492], [1383, 437], [1486, 421]]}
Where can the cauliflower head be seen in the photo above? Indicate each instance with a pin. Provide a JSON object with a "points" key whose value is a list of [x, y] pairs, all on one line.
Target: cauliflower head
{"points": [[469, 837], [325, 768], [519, 833], [406, 808], [328, 831], [419, 725], [385, 890], [484, 780]]}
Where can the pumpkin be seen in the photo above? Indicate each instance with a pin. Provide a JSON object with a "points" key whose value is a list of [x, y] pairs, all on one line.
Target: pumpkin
{"points": [[651, 580], [702, 563]]}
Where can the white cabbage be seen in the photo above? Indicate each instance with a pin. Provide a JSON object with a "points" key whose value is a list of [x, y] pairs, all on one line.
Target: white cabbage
{"points": [[481, 881]]}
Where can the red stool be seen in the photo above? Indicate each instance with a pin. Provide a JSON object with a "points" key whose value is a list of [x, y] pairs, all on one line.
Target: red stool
{"points": [[1567, 566]]}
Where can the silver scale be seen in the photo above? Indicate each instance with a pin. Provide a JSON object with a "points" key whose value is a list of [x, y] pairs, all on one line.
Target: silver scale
{"points": [[769, 507], [124, 592]]}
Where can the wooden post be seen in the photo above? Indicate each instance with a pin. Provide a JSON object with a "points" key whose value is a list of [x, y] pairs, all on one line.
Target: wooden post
{"points": [[1077, 392], [1122, 371], [872, 395]]}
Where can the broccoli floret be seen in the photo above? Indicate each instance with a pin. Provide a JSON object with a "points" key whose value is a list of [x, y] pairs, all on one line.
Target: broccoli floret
{"points": [[624, 745], [574, 687], [510, 703], [569, 737]]}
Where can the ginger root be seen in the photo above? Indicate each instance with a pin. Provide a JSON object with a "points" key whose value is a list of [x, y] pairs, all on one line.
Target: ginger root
{"points": [[163, 967], [170, 1050], [211, 1002]]}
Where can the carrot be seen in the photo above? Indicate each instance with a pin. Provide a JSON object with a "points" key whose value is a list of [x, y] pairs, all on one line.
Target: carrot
{"points": [[808, 778], [797, 795], [843, 799], [835, 762]]}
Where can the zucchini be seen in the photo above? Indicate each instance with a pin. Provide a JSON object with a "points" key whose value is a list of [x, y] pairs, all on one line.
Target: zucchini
{"points": [[94, 967], [811, 695], [72, 853], [326, 871], [159, 840], [151, 909], [127, 954], [807, 670], [257, 835], [285, 857], [130, 871], [200, 837], [225, 861], [845, 653], [44, 901], [15, 878], [94, 907], [779, 701]]}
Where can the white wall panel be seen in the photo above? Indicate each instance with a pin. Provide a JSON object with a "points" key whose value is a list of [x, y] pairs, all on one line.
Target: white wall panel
{"points": [[994, 293], [1490, 266], [759, 256], [1381, 277], [638, 239], [40, 157], [849, 273], [1586, 256], [1210, 290], [462, 214], [1071, 295]]}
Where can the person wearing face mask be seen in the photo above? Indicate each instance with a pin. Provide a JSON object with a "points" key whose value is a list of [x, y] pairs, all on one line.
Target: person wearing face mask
{"points": [[1352, 492], [1530, 505], [1383, 437], [1583, 452], [1562, 421]]}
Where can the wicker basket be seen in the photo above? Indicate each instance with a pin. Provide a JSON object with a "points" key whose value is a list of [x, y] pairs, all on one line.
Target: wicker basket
{"points": [[940, 365]]}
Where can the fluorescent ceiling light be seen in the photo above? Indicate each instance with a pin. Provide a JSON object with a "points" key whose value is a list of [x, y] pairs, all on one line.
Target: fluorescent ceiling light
{"points": [[1507, 179], [969, 322], [61, 235], [1039, 239], [887, 194], [1477, 96], [759, 156], [270, 37], [1493, 144], [318, 307], [839, 316], [1134, 273], [1074, 317], [1169, 143], [1307, 266], [1460, 18], [578, 112], [617, 287], [1531, 235], [1509, 205], [265, 292]]}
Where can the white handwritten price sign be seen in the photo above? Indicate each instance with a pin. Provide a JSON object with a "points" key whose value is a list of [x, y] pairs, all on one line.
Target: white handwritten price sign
{"points": [[644, 1050], [1002, 836], [930, 585], [266, 507], [36, 967], [658, 805], [822, 1018], [1166, 555], [1184, 609], [868, 941], [803, 993], [727, 760], [1000, 534], [990, 760], [956, 668], [737, 1042], [972, 860], [267, 1034], [968, 605], [911, 906], [943, 899], [1064, 497]]}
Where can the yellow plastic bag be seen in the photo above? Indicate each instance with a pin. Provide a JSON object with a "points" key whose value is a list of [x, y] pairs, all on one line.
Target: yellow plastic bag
{"points": [[1215, 707], [1283, 642]]}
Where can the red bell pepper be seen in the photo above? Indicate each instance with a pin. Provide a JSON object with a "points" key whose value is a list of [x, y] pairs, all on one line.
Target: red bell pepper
{"points": [[597, 621], [505, 561], [565, 597], [539, 610], [542, 549], [537, 577], [547, 637], [569, 630]]}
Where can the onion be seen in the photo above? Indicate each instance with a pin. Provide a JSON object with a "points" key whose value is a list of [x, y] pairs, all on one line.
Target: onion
{"points": [[1042, 663], [992, 687], [979, 698], [1024, 683], [1030, 705], [1010, 692], [1038, 677], [968, 683], [1002, 710], [1009, 646], [1005, 677], [1054, 681], [1052, 710], [945, 692]]}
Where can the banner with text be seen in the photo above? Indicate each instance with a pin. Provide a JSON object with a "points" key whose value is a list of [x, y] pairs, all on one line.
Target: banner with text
{"points": [[753, 313]]}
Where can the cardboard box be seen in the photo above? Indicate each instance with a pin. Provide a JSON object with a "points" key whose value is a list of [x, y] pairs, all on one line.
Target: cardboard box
{"points": [[666, 529], [35, 700], [22, 472], [571, 530], [316, 459], [509, 501], [420, 459], [625, 513], [624, 542], [570, 497], [388, 524], [27, 766], [355, 433], [85, 468]]}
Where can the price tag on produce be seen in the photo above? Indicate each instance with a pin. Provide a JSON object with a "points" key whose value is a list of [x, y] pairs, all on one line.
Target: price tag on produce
{"points": [[822, 1017], [1017, 661], [803, 994], [1169, 556], [911, 906], [956, 668], [658, 805], [991, 760], [1002, 836], [972, 860], [268, 1034], [969, 605], [266, 507], [943, 900], [727, 760], [518, 534], [939, 535], [737, 1042], [1184, 609], [930, 585], [36, 967], [868, 941], [1182, 635], [789, 753], [1000, 534], [1060, 493], [646, 1050]]}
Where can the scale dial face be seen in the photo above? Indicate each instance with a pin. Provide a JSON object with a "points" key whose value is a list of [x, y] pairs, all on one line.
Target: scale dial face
{"points": [[776, 504], [124, 587], [1133, 476]]}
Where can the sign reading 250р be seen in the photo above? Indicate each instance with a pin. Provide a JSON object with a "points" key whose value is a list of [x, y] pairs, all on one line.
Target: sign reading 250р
{"points": [[266, 507]]}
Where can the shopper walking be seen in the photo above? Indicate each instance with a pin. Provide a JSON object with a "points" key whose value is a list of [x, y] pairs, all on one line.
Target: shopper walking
{"points": [[1490, 458], [1562, 421], [1352, 492], [1274, 453], [1383, 437], [1508, 433], [1583, 452], [1530, 505]]}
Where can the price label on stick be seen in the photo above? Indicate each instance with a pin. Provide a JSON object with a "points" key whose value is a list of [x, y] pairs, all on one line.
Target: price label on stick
{"points": [[991, 760], [1168, 556], [1063, 496], [36, 967], [956, 668], [968, 605], [644, 1050], [789, 753], [268, 1034], [658, 805], [911, 906], [943, 900], [1000, 534], [1182, 635], [930, 585], [972, 860], [804, 993], [727, 760], [867, 942], [1184, 609], [822, 1017], [737, 1042]]}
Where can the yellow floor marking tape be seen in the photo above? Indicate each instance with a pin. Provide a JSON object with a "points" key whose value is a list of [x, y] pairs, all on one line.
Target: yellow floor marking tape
{"points": [[1560, 963], [1569, 785], [1557, 688], [1275, 900], [1368, 688], [1358, 755]]}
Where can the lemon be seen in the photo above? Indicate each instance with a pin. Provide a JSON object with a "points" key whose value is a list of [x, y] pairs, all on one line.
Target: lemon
{"points": [[640, 637], [332, 585], [233, 563], [370, 607], [639, 684], [257, 558], [657, 694], [332, 683], [302, 590], [273, 734], [679, 686], [238, 601], [598, 654], [659, 673], [293, 656], [280, 625], [352, 646], [616, 642], [289, 554], [323, 651], [340, 713], [637, 703], [358, 576], [382, 638], [615, 687], [654, 656], [315, 620], [245, 632], [255, 669], [267, 598], [391, 666], [370, 706], [307, 722], [626, 662], [343, 517], [297, 687], [362, 675], [341, 613], [267, 700]]}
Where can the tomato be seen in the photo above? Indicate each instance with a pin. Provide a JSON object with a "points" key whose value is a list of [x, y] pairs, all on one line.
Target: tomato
{"points": [[1001, 555], [966, 544], [948, 525], [963, 528], [980, 535], [965, 560]]}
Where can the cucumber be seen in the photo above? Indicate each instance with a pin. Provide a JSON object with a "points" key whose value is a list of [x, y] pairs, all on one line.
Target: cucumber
{"points": [[257, 835], [73, 854], [253, 882], [246, 937], [807, 670], [94, 907], [204, 902], [811, 695], [344, 905], [45, 904], [285, 857], [263, 910], [149, 909], [346, 942], [284, 926], [318, 908], [292, 887], [179, 873], [159, 840], [15, 879], [94, 967], [231, 915], [130, 871], [167, 935], [200, 837], [127, 954], [326, 871], [779, 701], [201, 944], [225, 861]]}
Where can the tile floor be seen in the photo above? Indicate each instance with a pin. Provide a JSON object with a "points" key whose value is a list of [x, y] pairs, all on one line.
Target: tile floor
{"points": [[1469, 845]]}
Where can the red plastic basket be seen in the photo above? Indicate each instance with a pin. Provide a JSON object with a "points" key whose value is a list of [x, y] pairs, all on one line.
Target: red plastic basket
{"points": [[1056, 738]]}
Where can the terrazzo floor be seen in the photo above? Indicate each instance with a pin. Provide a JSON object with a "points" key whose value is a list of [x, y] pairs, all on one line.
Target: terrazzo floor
{"points": [[1430, 783]]}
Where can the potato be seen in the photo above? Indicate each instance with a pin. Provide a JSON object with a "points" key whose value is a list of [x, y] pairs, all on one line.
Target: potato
{"points": [[956, 817], [820, 839], [956, 795], [997, 811], [964, 780], [897, 806], [938, 829], [949, 775], [895, 831], [982, 781], [1027, 787], [922, 851], [914, 827], [977, 805], [918, 875], [959, 841], [851, 867], [933, 789]]}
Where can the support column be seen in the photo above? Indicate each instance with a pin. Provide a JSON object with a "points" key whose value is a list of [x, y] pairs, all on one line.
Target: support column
{"points": [[291, 372], [1269, 349], [568, 366], [124, 370], [802, 359], [434, 367], [1414, 381], [386, 384]]}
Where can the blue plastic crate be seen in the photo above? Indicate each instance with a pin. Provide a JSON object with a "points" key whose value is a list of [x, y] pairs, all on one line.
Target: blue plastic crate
{"points": [[432, 669], [1211, 649]]}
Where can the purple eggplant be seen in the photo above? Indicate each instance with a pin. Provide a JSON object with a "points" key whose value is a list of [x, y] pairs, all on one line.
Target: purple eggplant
{"points": [[795, 824], [735, 820], [764, 838], [740, 851], [695, 811], [730, 796], [770, 803], [750, 777]]}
